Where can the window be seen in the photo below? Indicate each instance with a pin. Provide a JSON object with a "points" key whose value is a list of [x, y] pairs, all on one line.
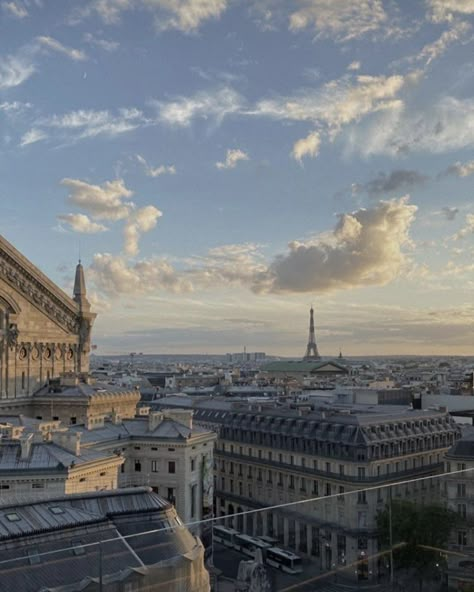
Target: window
{"points": [[462, 537], [170, 495], [315, 488], [82, 479], [12, 517], [303, 484], [77, 547], [259, 454], [259, 475], [303, 462], [154, 466], [280, 479], [37, 485], [292, 482], [328, 467], [170, 449], [328, 489], [193, 500], [361, 497], [341, 469], [103, 474], [361, 472], [34, 557], [193, 464], [171, 466], [270, 477], [136, 448], [341, 491], [154, 448], [138, 466], [461, 466], [292, 460], [269, 456], [56, 510], [461, 490], [280, 457], [73, 420], [462, 510]]}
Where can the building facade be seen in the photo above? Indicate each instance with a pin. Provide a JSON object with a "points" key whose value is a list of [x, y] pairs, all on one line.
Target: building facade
{"points": [[43, 332], [270, 459], [460, 498]]}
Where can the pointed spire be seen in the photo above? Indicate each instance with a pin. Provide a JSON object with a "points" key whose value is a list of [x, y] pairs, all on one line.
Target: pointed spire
{"points": [[80, 293], [311, 349]]}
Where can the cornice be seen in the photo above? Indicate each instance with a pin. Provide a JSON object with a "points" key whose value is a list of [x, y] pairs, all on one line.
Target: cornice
{"points": [[33, 285]]}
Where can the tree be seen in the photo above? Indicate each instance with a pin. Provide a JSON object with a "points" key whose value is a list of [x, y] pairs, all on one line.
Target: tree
{"points": [[414, 528]]}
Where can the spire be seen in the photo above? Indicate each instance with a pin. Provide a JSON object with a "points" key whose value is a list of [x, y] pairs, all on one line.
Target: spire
{"points": [[312, 349], [80, 293]]}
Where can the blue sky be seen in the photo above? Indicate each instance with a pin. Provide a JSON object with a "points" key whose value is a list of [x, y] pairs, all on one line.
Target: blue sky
{"points": [[221, 165]]}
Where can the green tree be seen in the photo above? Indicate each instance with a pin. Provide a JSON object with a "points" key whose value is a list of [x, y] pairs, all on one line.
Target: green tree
{"points": [[415, 527]]}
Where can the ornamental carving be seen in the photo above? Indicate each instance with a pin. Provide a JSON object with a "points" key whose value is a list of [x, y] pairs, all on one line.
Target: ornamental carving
{"points": [[20, 279]]}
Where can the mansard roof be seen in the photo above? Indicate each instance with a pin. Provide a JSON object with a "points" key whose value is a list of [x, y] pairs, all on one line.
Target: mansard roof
{"points": [[355, 428]]}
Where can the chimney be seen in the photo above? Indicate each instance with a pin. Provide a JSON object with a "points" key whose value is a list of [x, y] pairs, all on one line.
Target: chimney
{"points": [[69, 440], [182, 416], [154, 420], [116, 417], [25, 444]]}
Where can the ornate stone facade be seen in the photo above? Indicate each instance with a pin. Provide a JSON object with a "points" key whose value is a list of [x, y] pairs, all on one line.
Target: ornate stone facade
{"points": [[43, 332]]}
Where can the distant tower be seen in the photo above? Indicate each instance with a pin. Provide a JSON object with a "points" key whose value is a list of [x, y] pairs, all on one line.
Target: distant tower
{"points": [[80, 293], [312, 349]]}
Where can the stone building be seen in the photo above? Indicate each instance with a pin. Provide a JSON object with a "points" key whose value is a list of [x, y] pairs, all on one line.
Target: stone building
{"points": [[165, 451], [271, 458], [43, 332], [54, 545], [459, 489], [32, 467]]}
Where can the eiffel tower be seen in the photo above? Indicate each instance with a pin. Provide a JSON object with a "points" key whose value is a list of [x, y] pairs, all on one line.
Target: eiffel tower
{"points": [[311, 349]]}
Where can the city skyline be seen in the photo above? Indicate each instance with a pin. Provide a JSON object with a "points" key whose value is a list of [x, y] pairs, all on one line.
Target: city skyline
{"points": [[219, 167]]}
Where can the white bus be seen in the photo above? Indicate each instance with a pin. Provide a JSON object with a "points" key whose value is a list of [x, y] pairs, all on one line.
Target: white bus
{"points": [[284, 560], [249, 545], [225, 536]]}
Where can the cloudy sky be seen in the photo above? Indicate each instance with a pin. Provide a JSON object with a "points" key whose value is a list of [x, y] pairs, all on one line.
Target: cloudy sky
{"points": [[220, 165]]}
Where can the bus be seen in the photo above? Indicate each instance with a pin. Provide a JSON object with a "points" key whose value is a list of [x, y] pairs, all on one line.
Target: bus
{"points": [[284, 560], [224, 536], [249, 545]]}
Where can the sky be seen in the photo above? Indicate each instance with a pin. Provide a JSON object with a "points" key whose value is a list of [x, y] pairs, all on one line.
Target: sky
{"points": [[219, 166]]}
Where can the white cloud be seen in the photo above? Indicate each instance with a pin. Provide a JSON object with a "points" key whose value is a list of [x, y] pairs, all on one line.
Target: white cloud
{"points": [[467, 229], [49, 42], [365, 248], [104, 44], [32, 136], [432, 51], [14, 70], [461, 169], [233, 156], [83, 124], [102, 202], [114, 276], [203, 105], [353, 66], [339, 19], [447, 125], [308, 146], [446, 10], [16, 9], [183, 15], [338, 102], [81, 223], [138, 222], [156, 171], [14, 107]]}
